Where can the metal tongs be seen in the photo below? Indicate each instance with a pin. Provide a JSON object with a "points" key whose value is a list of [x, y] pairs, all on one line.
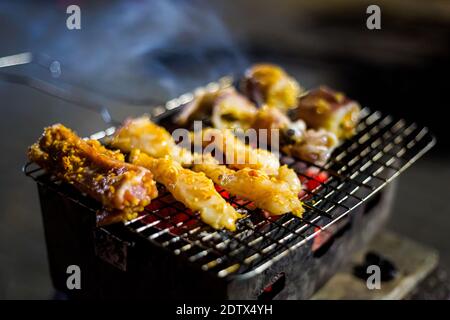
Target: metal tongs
{"points": [[64, 90]]}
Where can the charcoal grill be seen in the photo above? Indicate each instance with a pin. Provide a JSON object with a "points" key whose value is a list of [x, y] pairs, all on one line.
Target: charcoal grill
{"points": [[168, 252]]}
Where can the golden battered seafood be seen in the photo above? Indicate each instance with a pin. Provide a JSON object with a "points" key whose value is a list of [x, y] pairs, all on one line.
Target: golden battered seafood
{"points": [[232, 110], [193, 189], [225, 108], [271, 85], [327, 109], [276, 192], [89, 167], [316, 146], [277, 195], [238, 155], [141, 133], [311, 145], [270, 118]]}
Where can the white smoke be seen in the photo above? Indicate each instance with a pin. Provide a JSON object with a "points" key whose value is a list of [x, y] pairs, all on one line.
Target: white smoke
{"points": [[132, 48]]}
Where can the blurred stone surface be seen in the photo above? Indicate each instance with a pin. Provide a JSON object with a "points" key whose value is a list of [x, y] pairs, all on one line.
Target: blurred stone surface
{"points": [[413, 263]]}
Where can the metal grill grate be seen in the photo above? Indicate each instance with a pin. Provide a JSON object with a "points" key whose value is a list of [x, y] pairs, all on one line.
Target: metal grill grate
{"points": [[382, 148]]}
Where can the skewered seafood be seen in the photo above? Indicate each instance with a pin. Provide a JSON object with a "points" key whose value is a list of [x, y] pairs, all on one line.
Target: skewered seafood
{"points": [[198, 109], [237, 154], [141, 133], [336, 116], [270, 118], [310, 145], [278, 195], [232, 110], [193, 189], [268, 191], [225, 108], [327, 109], [269, 84], [89, 167], [310, 126], [316, 146]]}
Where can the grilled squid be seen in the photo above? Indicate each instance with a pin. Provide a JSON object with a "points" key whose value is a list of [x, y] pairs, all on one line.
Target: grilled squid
{"points": [[193, 189], [225, 108], [272, 120], [269, 84], [141, 133], [235, 153], [315, 146], [277, 195], [232, 110], [200, 108], [311, 145], [327, 109], [274, 189]]}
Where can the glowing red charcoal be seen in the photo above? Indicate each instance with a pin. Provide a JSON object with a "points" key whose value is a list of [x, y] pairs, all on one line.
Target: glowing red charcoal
{"points": [[315, 178], [222, 192]]}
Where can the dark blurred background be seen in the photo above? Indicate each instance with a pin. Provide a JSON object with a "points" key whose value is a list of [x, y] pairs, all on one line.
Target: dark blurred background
{"points": [[132, 54]]}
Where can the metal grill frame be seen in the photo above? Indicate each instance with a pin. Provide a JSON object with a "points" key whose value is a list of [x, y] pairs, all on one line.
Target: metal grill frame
{"points": [[382, 148]]}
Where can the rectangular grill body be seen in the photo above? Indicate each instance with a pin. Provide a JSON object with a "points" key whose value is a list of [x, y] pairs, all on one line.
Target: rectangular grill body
{"points": [[167, 252], [115, 263]]}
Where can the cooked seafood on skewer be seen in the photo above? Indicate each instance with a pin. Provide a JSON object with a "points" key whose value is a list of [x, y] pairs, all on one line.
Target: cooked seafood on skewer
{"points": [[316, 146], [310, 145], [226, 108], [268, 84], [327, 109], [238, 155], [264, 187], [121, 187], [193, 189], [277, 195], [270, 119], [200, 108], [232, 110], [141, 133]]}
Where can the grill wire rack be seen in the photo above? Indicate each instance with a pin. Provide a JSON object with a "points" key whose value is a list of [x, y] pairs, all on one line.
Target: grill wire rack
{"points": [[382, 148]]}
